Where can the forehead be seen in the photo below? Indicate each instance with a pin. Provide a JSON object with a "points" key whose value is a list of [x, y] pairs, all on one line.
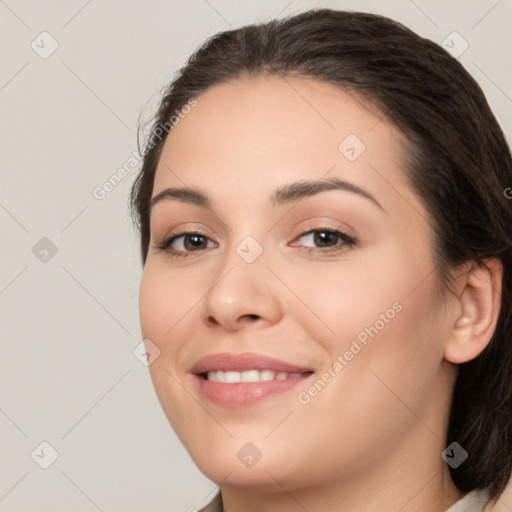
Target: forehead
{"points": [[264, 131]]}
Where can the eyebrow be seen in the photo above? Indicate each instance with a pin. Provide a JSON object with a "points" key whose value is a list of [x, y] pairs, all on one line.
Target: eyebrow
{"points": [[282, 195]]}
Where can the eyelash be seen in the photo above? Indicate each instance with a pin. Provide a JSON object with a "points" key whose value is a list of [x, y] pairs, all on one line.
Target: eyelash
{"points": [[346, 239]]}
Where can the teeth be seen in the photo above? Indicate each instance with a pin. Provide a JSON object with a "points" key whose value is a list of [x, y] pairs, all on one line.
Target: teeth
{"points": [[250, 376], [231, 377], [267, 375]]}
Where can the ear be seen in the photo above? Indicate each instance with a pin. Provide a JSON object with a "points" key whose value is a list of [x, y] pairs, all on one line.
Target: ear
{"points": [[476, 312]]}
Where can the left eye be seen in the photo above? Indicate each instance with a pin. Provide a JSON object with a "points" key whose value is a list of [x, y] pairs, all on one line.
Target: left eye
{"points": [[325, 238]]}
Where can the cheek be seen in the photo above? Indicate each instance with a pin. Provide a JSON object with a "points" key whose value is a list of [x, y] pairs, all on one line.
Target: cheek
{"points": [[393, 349], [380, 367], [336, 301], [165, 300]]}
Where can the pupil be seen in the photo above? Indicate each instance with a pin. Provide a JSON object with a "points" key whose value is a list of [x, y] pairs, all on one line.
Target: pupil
{"points": [[322, 237], [196, 240]]}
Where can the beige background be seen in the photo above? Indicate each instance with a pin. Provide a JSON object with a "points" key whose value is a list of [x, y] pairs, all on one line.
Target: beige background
{"points": [[69, 320]]}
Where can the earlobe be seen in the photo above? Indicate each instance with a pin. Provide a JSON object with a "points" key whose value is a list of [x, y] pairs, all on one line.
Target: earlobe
{"points": [[477, 313]]}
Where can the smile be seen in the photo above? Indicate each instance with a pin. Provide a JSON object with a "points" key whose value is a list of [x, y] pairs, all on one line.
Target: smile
{"points": [[243, 379]]}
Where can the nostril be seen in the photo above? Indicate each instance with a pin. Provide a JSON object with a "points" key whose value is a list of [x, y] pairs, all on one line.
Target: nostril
{"points": [[249, 317], [212, 320]]}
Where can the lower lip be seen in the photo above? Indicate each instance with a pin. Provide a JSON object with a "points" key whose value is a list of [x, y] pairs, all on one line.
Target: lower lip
{"points": [[244, 393]]}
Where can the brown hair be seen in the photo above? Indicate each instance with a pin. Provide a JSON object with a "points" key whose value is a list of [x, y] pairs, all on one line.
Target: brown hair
{"points": [[458, 163]]}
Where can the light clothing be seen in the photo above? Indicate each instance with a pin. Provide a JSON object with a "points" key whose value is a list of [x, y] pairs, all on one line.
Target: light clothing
{"points": [[475, 501]]}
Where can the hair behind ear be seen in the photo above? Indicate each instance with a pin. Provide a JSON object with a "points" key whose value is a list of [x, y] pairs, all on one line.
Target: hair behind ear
{"points": [[481, 414]]}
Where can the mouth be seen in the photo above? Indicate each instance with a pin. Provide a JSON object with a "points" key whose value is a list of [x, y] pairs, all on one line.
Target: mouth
{"points": [[243, 379]]}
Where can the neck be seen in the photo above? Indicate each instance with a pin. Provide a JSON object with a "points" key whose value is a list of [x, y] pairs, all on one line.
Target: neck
{"points": [[407, 478]]}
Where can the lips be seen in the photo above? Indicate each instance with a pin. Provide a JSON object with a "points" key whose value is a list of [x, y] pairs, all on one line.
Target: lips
{"points": [[243, 379]]}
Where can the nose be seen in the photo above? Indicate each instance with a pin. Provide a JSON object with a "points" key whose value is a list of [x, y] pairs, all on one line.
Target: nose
{"points": [[242, 295]]}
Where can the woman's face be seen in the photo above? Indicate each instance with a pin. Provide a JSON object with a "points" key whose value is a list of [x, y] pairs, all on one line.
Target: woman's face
{"points": [[331, 344]]}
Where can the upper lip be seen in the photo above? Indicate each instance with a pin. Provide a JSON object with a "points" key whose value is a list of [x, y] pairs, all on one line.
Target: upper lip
{"points": [[226, 361]]}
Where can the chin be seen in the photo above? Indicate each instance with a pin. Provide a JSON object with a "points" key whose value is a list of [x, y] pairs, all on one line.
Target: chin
{"points": [[241, 462]]}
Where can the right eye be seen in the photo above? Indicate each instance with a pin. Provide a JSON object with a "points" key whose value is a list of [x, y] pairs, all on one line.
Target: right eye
{"points": [[181, 244]]}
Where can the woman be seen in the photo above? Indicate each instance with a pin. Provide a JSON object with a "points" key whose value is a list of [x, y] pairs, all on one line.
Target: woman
{"points": [[325, 234]]}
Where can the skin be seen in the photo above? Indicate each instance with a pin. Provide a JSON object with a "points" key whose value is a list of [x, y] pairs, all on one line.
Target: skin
{"points": [[372, 438]]}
